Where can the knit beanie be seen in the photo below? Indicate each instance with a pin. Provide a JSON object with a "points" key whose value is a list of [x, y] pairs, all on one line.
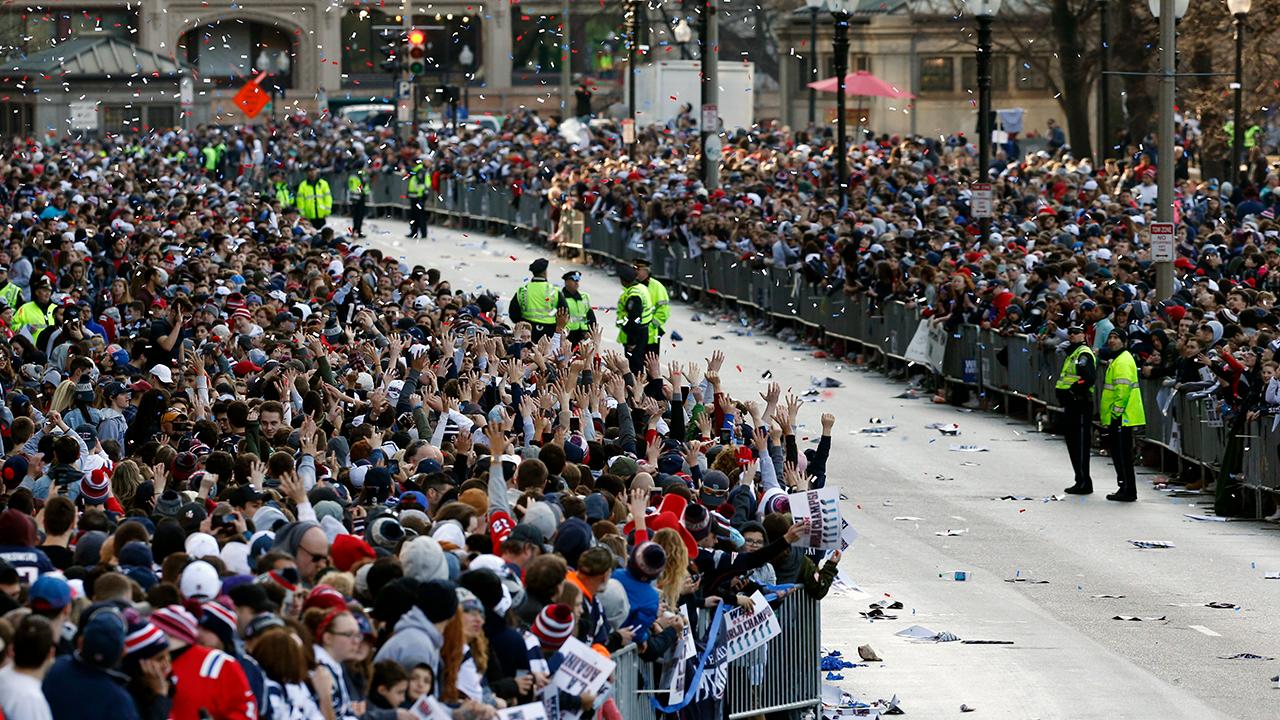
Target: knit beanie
{"points": [[221, 621], [423, 559], [614, 602], [289, 537], [438, 600], [326, 597], [485, 584], [553, 626], [177, 623], [646, 561], [697, 521], [347, 550], [541, 516], [384, 532], [573, 539], [17, 528], [102, 636], [95, 487], [169, 503], [144, 641]]}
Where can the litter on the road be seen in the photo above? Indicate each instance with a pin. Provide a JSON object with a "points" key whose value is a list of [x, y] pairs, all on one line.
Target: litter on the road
{"points": [[1152, 544], [1028, 581], [907, 395], [887, 604], [1107, 597], [1271, 576], [969, 448], [826, 382], [1207, 518], [908, 518], [944, 428], [877, 429], [1244, 656], [1221, 605], [952, 533], [877, 614], [957, 575], [1136, 618], [965, 708], [867, 653]]}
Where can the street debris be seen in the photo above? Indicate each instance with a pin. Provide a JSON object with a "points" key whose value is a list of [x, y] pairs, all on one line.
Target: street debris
{"points": [[969, 448], [1244, 656], [952, 533], [1028, 581], [944, 428], [867, 653], [1152, 544], [1136, 618], [1107, 597]]}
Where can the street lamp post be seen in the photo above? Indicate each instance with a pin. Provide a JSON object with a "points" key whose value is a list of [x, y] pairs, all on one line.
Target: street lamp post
{"points": [[1168, 12], [709, 123], [985, 11], [566, 63], [1239, 9], [630, 13], [840, 10], [814, 6], [276, 65], [466, 57], [1104, 97]]}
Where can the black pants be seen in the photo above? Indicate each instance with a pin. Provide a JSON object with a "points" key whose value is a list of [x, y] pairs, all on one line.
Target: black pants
{"points": [[417, 217], [635, 357], [654, 348], [318, 223], [1122, 457], [357, 217], [1078, 431], [540, 330]]}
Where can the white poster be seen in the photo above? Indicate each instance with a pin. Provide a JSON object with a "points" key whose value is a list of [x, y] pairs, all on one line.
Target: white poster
{"points": [[428, 708], [822, 508], [918, 350], [532, 711], [583, 669], [746, 631]]}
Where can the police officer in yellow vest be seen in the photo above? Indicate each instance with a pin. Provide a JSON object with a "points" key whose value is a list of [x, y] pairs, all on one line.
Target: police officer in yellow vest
{"points": [[1075, 394], [536, 302], [281, 190], [419, 184], [661, 302], [358, 196], [581, 317], [637, 330], [1122, 411], [314, 199], [37, 314], [10, 291]]}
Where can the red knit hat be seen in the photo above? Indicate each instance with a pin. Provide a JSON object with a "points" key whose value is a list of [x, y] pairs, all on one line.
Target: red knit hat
{"points": [[553, 626], [347, 550], [323, 596]]}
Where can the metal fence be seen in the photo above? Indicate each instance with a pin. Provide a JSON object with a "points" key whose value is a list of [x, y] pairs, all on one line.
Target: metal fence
{"points": [[1014, 369], [783, 676]]}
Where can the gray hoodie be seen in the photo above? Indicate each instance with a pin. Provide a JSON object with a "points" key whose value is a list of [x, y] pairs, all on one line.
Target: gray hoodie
{"points": [[416, 641]]}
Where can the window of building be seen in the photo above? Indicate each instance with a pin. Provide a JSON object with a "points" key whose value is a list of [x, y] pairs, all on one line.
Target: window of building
{"points": [[161, 117], [31, 30], [535, 44], [999, 73], [364, 46], [1031, 75], [229, 51], [856, 63], [118, 119], [937, 74]]}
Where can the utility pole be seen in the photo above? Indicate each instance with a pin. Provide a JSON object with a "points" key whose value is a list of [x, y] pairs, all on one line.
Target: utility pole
{"points": [[709, 123], [631, 73], [1104, 86], [1164, 170], [566, 64]]}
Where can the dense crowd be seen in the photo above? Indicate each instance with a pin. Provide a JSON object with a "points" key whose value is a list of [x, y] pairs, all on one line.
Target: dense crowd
{"points": [[253, 468]]}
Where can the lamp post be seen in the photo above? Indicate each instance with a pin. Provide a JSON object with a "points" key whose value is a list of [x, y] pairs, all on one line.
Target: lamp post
{"points": [[1168, 12], [630, 14], [709, 123], [814, 6], [275, 64], [466, 57], [840, 10], [1104, 97], [1239, 9], [985, 10], [566, 62]]}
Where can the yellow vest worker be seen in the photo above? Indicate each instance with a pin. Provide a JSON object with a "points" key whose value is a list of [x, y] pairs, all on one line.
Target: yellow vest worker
{"points": [[657, 295], [581, 317], [314, 200], [1121, 410], [636, 329], [1074, 390], [536, 302]]}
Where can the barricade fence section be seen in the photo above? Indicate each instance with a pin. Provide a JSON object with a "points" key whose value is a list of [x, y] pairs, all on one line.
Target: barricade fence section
{"points": [[1015, 367]]}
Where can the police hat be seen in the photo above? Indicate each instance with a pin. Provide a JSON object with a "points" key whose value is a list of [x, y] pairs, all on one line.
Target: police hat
{"points": [[1075, 330], [539, 266], [572, 275]]}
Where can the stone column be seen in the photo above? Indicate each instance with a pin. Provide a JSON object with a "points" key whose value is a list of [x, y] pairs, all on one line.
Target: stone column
{"points": [[497, 47]]}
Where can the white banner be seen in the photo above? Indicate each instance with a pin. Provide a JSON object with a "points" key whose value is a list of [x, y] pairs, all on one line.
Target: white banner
{"points": [[746, 631], [822, 508], [532, 711], [583, 669]]}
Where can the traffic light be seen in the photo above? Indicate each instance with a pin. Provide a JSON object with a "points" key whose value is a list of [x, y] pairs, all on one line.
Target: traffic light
{"points": [[389, 56], [417, 52]]}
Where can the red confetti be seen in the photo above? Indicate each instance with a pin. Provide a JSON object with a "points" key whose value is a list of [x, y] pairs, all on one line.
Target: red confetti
{"points": [[1022, 510], [513, 257], [739, 367]]}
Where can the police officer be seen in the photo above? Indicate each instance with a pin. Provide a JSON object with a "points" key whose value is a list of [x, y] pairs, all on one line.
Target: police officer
{"points": [[281, 190], [1075, 395], [314, 199], [419, 183], [536, 302], [1122, 411], [636, 328], [358, 196], [581, 317], [660, 300], [37, 314]]}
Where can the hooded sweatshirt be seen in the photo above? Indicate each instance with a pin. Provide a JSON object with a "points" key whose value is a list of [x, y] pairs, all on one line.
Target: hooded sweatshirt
{"points": [[416, 641]]}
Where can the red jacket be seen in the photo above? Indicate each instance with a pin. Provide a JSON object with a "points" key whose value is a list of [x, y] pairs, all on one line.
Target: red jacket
{"points": [[208, 679]]}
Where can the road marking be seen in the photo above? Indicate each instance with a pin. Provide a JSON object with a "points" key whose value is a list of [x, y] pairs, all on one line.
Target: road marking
{"points": [[1205, 630]]}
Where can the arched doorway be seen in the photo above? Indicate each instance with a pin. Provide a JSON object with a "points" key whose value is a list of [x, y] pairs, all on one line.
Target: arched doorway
{"points": [[228, 52]]}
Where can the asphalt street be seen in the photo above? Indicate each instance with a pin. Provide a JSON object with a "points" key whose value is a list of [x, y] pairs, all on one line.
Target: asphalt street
{"points": [[1069, 657]]}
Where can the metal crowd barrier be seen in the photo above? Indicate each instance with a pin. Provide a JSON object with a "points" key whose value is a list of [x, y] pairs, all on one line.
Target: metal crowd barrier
{"points": [[791, 678], [629, 678], [1016, 367]]}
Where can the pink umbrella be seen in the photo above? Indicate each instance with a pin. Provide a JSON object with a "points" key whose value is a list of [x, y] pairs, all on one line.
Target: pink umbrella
{"points": [[861, 84]]}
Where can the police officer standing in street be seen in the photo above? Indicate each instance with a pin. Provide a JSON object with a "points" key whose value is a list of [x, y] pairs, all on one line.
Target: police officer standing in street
{"points": [[1122, 411], [281, 190], [1075, 395], [419, 183], [358, 196], [314, 199], [637, 331], [536, 302], [581, 317], [660, 300]]}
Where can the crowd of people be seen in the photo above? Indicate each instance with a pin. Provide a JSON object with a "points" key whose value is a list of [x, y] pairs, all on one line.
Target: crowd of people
{"points": [[255, 468]]}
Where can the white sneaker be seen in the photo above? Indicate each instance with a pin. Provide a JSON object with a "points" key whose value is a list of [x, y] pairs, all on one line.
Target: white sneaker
{"points": [[1273, 517]]}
